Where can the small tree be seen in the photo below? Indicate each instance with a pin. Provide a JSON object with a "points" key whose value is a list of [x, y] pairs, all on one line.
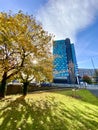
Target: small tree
{"points": [[41, 70], [87, 79], [25, 75]]}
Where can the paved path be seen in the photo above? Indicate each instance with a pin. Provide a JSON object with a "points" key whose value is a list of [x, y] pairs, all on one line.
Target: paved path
{"points": [[93, 90]]}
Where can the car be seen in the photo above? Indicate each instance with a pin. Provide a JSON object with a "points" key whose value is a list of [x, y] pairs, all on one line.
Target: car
{"points": [[35, 84], [45, 84]]}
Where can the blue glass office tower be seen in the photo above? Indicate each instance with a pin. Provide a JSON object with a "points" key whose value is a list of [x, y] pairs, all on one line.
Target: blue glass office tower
{"points": [[65, 64]]}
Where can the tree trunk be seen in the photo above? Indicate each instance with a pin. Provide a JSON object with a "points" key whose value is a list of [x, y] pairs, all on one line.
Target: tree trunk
{"points": [[3, 85], [25, 88]]}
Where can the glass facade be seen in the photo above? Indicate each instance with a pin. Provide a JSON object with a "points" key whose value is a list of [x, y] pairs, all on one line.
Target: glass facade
{"points": [[64, 54], [74, 60], [60, 60]]}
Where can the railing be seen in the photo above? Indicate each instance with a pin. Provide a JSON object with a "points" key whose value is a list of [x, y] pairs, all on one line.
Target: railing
{"points": [[92, 86], [75, 85]]}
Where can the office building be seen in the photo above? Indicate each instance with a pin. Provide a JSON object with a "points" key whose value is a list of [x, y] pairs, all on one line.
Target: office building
{"points": [[65, 64]]}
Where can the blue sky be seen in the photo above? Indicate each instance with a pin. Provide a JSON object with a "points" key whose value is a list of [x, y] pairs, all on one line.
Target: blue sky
{"points": [[87, 45], [75, 19], [30, 6]]}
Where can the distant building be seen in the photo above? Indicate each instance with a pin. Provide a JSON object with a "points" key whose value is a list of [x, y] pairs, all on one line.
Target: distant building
{"points": [[88, 72], [65, 63]]}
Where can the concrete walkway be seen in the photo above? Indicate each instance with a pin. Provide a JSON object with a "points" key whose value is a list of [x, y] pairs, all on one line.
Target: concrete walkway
{"points": [[93, 90]]}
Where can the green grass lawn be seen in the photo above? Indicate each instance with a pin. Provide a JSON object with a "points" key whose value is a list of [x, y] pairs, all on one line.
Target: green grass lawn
{"points": [[58, 110]]}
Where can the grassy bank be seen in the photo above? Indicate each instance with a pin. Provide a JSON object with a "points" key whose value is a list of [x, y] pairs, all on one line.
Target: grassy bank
{"points": [[58, 110]]}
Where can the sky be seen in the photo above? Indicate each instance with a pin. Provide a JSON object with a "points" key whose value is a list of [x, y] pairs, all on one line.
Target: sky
{"points": [[74, 19]]}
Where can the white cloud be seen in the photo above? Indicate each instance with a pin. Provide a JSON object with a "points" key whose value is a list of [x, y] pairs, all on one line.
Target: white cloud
{"points": [[64, 18]]}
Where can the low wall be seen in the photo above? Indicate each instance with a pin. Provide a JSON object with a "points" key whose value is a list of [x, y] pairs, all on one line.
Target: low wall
{"points": [[17, 89], [14, 89]]}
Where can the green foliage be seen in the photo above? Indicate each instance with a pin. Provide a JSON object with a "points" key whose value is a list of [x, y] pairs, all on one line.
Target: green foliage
{"points": [[87, 79], [49, 111]]}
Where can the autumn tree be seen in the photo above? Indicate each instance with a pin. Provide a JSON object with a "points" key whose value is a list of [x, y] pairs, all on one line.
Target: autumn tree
{"points": [[21, 37], [45, 69], [39, 70], [87, 79], [25, 75]]}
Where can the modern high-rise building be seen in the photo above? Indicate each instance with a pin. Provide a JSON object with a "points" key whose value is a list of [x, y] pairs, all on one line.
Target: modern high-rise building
{"points": [[65, 64]]}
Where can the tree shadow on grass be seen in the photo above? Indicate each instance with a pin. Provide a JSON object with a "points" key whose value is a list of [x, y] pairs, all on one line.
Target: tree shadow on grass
{"points": [[46, 114], [28, 114], [80, 118]]}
